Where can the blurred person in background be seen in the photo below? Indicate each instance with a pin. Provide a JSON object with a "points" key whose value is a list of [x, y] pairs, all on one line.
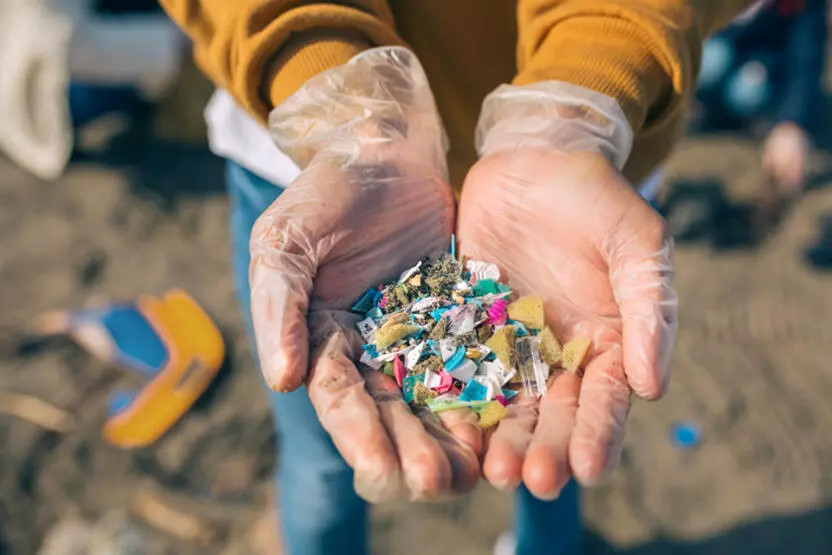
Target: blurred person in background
{"points": [[356, 186], [66, 63], [764, 72]]}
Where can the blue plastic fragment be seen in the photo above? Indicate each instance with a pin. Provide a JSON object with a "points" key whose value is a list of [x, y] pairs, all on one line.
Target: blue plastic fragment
{"points": [[490, 357], [366, 301], [437, 313], [508, 393], [519, 329], [371, 350], [456, 359], [409, 383], [453, 245], [686, 435], [474, 391], [377, 297], [433, 346], [375, 313]]}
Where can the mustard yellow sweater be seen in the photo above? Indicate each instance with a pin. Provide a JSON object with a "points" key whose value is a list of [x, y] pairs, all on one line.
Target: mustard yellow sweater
{"points": [[643, 53]]}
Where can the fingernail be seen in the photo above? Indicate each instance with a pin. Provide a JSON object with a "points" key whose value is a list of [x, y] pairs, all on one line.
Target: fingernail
{"points": [[551, 496]]}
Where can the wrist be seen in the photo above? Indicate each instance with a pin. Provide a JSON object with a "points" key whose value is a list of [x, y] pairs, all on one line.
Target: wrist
{"points": [[554, 115], [378, 99]]}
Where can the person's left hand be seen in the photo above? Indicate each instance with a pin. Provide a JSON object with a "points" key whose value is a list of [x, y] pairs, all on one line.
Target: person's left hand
{"points": [[785, 157], [569, 227]]}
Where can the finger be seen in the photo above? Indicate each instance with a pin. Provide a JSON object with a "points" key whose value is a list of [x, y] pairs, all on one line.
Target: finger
{"points": [[281, 271], [641, 271], [427, 472], [349, 414], [503, 464], [465, 464], [603, 404], [463, 425], [546, 466]]}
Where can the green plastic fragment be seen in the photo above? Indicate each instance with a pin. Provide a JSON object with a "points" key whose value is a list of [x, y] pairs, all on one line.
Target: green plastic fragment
{"points": [[408, 385], [486, 287]]}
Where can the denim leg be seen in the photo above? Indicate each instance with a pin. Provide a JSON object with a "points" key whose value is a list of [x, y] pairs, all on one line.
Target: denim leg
{"points": [[319, 510], [548, 527]]}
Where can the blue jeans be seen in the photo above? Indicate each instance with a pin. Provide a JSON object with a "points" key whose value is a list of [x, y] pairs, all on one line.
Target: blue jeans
{"points": [[319, 511]]}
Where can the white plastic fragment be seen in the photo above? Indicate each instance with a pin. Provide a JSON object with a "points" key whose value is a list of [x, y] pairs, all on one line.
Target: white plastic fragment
{"points": [[410, 272], [367, 359], [461, 319], [412, 357], [432, 379], [465, 371], [482, 270], [367, 327], [489, 384], [497, 371], [447, 348], [426, 304]]}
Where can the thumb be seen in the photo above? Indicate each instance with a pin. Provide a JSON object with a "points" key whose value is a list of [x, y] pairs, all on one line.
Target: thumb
{"points": [[283, 264], [641, 271]]}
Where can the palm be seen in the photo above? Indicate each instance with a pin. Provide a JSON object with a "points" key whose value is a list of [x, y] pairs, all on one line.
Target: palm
{"points": [[558, 225], [353, 227]]}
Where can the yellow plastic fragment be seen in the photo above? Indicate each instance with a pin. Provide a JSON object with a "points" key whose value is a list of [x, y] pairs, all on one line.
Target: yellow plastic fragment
{"points": [[457, 298], [492, 413], [473, 354], [415, 281], [388, 335], [502, 343], [528, 311], [397, 318], [574, 353], [550, 349]]}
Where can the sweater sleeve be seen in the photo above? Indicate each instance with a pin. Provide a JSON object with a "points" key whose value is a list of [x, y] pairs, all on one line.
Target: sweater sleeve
{"points": [[805, 50], [262, 51], [643, 53]]}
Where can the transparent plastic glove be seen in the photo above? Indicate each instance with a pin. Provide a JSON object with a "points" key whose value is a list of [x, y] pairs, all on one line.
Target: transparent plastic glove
{"points": [[372, 199], [546, 203]]}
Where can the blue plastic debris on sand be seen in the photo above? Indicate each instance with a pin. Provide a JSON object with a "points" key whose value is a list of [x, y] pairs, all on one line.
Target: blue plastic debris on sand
{"points": [[371, 350], [453, 245], [456, 359], [686, 435], [474, 391]]}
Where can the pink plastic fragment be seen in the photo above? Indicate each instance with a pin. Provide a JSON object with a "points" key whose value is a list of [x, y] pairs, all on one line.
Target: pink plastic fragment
{"points": [[501, 399], [383, 302], [497, 312], [446, 382], [399, 370]]}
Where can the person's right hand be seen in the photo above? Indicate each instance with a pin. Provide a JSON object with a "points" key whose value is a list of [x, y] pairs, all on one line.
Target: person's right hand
{"points": [[372, 200], [785, 157]]}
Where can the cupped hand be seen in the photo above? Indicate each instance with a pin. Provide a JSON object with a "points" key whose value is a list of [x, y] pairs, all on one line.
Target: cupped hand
{"points": [[372, 199], [569, 227]]}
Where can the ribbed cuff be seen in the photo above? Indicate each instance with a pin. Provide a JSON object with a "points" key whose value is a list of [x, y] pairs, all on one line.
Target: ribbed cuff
{"points": [[621, 63], [309, 55]]}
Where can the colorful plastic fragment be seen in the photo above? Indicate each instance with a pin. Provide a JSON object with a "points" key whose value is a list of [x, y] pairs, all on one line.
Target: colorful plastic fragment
{"points": [[528, 311], [574, 353], [451, 338], [502, 343], [490, 414], [550, 348], [385, 337]]}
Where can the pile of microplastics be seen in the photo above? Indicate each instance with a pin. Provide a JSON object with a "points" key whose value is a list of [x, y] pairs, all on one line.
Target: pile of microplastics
{"points": [[449, 334]]}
